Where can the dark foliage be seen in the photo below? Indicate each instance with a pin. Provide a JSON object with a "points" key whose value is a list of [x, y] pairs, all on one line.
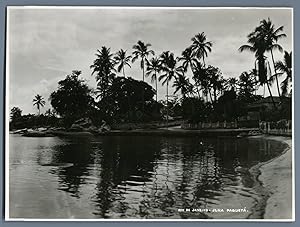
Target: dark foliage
{"points": [[195, 110], [123, 101], [34, 121], [227, 107], [15, 113], [72, 100]]}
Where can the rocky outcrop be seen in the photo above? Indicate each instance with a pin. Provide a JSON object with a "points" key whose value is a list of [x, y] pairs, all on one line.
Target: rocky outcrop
{"points": [[80, 125], [86, 125]]}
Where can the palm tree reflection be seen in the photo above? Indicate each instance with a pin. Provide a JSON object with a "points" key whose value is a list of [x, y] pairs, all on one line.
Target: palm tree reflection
{"points": [[126, 177]]}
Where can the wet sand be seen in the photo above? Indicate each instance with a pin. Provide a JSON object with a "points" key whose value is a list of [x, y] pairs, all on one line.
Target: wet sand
{"points": [[275, 179]]}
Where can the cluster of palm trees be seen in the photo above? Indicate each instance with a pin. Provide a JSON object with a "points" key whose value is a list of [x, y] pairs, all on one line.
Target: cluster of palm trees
{"points": [[285, 68], [207, 80], [264, 39]]}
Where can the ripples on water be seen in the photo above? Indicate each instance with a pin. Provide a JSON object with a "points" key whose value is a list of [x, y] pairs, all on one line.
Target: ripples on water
{"points": [[132, 177]]}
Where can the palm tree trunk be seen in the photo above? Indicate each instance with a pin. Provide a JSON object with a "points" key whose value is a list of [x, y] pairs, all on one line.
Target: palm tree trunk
{"points": [[156, 86], [198, 92], [211, 99], [167, 103], [271, 95], [129, 109], [143, 70], [215, 94], [156, 93], [197, 89], [275, 73], [124, 72], [143, 95]]}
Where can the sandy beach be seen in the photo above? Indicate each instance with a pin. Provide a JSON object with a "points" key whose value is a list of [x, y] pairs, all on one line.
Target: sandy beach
{"points": [[275, 176]]}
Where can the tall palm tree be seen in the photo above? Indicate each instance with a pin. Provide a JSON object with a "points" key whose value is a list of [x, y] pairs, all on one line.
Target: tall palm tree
{"points": [[153, 68], [141, 51], [285, 67], [271, 35], [258, 45], [103, 67], [122, 60], [39, 102], [104, 64], [201, 46], [170, 70], [189, 60], [215, 80], [200, 76]]}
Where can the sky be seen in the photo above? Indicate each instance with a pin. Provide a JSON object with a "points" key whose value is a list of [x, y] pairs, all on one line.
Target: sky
{"points": [[46, 44]]}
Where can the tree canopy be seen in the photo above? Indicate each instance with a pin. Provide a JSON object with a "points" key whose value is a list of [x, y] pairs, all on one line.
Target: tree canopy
{"points": [[72, 99]]}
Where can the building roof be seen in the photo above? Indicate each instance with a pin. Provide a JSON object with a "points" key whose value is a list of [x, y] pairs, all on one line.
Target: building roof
{"points": [[268, 101]]}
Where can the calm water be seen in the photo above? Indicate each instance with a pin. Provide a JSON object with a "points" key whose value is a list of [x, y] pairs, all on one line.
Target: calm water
{"points": [[132, 177]]}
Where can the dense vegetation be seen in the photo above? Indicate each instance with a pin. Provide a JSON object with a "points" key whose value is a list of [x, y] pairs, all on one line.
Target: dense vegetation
{"points": [[205, 94]]}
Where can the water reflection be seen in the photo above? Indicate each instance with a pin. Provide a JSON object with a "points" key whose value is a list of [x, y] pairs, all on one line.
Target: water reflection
{"points": [[141, 177]]}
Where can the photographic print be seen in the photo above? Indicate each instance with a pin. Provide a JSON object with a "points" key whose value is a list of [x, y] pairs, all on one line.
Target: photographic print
{"points": [[149, 113]]}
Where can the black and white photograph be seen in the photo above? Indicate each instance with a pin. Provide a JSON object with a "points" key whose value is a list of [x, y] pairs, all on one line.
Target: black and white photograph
{"points": [[149, 113]]}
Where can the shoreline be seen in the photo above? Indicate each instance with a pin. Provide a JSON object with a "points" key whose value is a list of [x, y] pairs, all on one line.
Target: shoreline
{"points": [[273, 181], [145, 132]]}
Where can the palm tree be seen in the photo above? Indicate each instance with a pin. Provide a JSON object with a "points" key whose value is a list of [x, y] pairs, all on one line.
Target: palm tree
{"points": [[247, 83], [254, 75], [189, 60], [183, 85], [141, 51], [231, 83], [170, 70], [103, 67], [123, 60], [215, 79], [152, 69], [39, 102], [285, 67], [200, 46], [104, 64], [200, 77], [271, 36], [258, 45]]}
